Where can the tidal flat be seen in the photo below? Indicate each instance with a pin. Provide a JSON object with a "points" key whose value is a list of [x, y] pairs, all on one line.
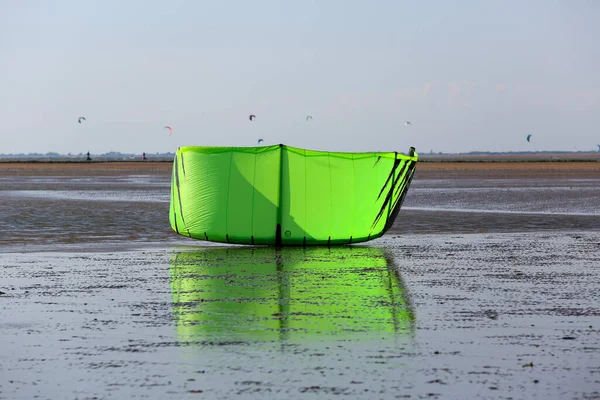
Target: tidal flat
{"points": [[486, 287]]}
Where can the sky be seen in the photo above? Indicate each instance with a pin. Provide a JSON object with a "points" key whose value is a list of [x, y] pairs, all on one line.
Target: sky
{"points": [[468, 75]]}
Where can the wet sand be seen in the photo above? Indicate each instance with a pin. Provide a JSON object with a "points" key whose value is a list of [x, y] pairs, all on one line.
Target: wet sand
{"points": [[485, 288], [437, 165], [85, 168]]}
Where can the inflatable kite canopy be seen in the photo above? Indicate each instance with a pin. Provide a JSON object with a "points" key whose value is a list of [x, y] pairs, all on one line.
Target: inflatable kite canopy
{"points": [[281, 195]]}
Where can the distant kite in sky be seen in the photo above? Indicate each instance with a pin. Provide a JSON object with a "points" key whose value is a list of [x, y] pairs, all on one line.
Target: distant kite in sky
{"points": [[80, 119], [260, 140], [251, 117], [529, 138], [407, 123], [170, 130], [308, 117]]}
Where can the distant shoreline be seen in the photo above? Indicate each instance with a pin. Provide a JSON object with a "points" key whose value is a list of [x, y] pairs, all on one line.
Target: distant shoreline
{"points": [[473, 158], [425, 168], [82, 161], [423, 158], [83, 167]]}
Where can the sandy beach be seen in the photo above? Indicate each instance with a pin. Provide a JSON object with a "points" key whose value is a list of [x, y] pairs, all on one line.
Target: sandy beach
{"points": [[484, 288], [590, 163], [425, 169], [84, 167]]}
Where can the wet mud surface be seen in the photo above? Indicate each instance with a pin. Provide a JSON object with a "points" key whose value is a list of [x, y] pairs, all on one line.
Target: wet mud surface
{"points": [[41, 210], [488, 316], [485, 288]]}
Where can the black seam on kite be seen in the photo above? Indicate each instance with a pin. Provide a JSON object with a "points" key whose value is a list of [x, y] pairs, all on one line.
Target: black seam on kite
{"points": [[399, 200], [182, 164], [391, 174], [400, 184], [278, 235], [179, 191], [389, 196], [393, 185], [402, 188], [278, 239], [409, 171]]}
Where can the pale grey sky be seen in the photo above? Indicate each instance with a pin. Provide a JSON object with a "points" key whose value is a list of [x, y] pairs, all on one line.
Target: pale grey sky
{"points": [[469, 75]]}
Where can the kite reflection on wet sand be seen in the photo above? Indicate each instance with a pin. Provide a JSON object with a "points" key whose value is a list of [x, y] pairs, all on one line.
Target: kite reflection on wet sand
{"points": [[241, 295]]}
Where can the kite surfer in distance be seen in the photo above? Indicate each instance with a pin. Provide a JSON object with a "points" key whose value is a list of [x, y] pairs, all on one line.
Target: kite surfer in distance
{"points": [[144, 156], [88, 158]]}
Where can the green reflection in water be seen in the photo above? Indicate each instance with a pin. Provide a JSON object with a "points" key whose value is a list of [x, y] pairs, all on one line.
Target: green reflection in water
{"points": [[233, 294]]}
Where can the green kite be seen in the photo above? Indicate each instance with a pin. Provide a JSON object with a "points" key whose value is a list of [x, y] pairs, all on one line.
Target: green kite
{"points": [[281, 195]]}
